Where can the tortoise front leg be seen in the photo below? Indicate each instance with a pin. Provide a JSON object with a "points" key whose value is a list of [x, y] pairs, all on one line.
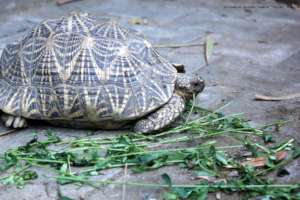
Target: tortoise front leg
{"points": [[163, 117], [13, 121]]}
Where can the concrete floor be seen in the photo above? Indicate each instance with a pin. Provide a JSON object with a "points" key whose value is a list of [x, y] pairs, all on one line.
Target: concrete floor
{"points": [[258, 52]]}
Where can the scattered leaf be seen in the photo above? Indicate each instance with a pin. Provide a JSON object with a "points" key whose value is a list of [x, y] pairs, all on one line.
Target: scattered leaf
{"points": [[208, 48], [268, 138], [138, 21], [202, 194], [167, 179], [296, 153], [279, 98], [170, 196], [183, 192], [263, 161], [221, 157]]}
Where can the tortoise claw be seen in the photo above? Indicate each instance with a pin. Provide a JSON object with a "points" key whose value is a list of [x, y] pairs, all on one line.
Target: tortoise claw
{"points": [[13, 121]]}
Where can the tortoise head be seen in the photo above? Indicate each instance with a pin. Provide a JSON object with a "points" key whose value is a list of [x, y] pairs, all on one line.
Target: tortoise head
{"points": [[188, 85]]}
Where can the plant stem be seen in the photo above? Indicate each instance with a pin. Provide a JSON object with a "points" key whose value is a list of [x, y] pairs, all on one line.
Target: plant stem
{"points": [[288, 143], [173, 150], [181, 186], [42, 160], [190, 112], [177, 45]]}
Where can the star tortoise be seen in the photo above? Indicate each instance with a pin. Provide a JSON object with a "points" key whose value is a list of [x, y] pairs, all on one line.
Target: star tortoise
{"points": [[76, 72]]}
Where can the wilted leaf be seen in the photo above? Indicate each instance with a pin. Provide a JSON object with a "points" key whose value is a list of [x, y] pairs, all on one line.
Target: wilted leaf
{"points": [[138, 21], [208, 48], [263, 161]]}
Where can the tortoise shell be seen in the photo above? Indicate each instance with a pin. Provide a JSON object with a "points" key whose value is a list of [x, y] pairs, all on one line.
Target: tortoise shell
{"points": [[75, 69]]}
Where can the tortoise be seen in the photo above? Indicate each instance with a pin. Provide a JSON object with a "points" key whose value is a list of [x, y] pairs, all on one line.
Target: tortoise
{"points": [[77, 72]]}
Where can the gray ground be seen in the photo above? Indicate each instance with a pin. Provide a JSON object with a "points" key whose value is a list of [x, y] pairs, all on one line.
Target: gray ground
{"points": [[258, 52]]}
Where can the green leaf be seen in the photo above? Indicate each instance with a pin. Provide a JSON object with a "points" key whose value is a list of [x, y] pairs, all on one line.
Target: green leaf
{"points": [[298, 196], [29, 175], [65, 179], [296, 153], [205, 173], [167, 179], [270, 163], [170, 196], [202, 194], [183, 192], [8, 180], [268, 138], [65, 198], [94, 173], [10, 160], [64, 169], [146, 158], [221, 157], [102, 164]]}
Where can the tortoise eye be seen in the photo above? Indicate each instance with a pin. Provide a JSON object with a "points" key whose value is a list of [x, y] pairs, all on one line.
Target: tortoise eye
{"points": [[196, 84]]}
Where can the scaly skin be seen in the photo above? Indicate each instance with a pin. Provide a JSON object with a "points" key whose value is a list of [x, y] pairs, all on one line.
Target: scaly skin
{"points": [[162, 117], [186, 87]]}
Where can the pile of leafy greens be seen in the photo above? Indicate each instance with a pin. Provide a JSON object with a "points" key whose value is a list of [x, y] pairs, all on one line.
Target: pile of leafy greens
{"points": [[212, 165]]}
